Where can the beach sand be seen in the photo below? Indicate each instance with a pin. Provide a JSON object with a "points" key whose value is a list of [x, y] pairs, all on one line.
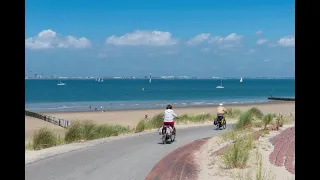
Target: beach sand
{"points": [[33, 124], [132, 117]]}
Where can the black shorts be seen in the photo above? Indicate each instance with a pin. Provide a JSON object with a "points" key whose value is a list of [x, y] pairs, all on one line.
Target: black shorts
{"points": [[220, 117]]}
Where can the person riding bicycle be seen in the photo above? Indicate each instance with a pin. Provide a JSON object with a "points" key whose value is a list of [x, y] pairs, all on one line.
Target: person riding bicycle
{"points": [[168, 117], [221, 111]]}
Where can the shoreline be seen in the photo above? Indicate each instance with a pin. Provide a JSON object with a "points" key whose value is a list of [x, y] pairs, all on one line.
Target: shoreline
{"points": [[177, 108]]}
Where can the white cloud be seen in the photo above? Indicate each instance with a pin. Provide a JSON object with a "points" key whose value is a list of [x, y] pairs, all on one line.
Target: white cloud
{"points": [[259, 32], [262, 41], [251, 51], [147, 38], [287, 41], [200, 38], [49, 39], [230, 41], [205, 50]]}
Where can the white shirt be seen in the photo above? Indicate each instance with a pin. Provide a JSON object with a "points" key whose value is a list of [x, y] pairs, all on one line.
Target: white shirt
{"points": [[169, 115]]}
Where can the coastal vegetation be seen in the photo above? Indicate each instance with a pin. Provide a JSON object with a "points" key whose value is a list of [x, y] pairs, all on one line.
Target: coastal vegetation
{"points": [[241, 141], [80, 131], [88, 130]]}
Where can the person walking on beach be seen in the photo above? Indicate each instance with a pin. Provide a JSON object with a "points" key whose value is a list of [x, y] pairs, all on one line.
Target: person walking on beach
{"points": [[168, 117]]}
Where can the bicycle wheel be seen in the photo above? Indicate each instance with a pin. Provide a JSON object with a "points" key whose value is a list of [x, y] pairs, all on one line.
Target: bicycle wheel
{"points": [[173, 136]]}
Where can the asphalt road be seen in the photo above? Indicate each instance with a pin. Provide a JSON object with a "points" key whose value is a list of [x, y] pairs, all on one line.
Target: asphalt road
{"points": [[130, 158]]}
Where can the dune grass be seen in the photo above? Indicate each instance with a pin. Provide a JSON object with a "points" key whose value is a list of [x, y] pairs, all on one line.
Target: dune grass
{"points": [[233, 134], [267, 119], [248, 118], [233, 113], [78, 131], [44, 138], [157, 121], [237, 155], [88, 130], [260, 173]]}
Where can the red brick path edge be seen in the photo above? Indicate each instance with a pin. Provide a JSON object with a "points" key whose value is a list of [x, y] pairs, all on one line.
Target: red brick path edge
{"points": [[179, 164], [284, 150]]}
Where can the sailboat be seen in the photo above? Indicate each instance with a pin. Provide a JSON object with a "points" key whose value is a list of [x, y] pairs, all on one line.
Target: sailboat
{"points": [[150, 79], [220, 87], [241, 80], [61, 83], [98, 79], [101, 80]]}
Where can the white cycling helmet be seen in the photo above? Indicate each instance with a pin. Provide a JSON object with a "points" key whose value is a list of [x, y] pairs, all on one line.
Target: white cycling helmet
{"points": [[220, 104]]}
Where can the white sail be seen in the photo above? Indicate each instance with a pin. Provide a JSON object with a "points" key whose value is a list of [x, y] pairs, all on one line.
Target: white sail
{"points": [[220, 87], [150, 79], [241, 79]]}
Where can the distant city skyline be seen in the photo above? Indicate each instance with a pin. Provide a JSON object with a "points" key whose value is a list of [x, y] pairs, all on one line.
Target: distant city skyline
{"points": [[42, 76], [204, 38]]}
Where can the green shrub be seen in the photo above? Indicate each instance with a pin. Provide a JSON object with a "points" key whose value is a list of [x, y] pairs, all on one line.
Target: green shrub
{"points": [[155, 122], [244, 121], [267, 119], [87, 126], [247, 118], [43, 138], [101, 131], [140, 126], [74, 132], [256, 113]]}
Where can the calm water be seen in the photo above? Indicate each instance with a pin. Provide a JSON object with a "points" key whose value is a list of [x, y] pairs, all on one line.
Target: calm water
{"points": [[78, 95]]}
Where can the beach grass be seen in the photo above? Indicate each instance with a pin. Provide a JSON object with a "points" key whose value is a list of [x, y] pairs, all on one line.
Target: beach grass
{"points": [[241, 142], [157, 121], [248, 118], [237, 155], [233, 134], [88, 130], [267, 119], [44, 138], [141, 126], [233, 113]]}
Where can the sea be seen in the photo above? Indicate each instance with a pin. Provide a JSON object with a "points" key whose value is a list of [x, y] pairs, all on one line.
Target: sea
{"points": [[128, 94]]}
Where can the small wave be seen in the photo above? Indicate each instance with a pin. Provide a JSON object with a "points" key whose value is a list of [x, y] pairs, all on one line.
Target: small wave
{"points": [[197, 103]]}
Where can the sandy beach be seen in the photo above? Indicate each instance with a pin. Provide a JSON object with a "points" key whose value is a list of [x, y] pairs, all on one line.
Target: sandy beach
{"points": [[131, 117]]}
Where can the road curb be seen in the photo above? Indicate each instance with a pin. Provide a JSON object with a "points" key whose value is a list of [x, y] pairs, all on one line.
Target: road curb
{"points": [[178, 164]]}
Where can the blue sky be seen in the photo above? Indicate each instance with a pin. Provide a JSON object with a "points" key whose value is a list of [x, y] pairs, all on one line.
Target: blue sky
{"points": [[194, 38]]}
